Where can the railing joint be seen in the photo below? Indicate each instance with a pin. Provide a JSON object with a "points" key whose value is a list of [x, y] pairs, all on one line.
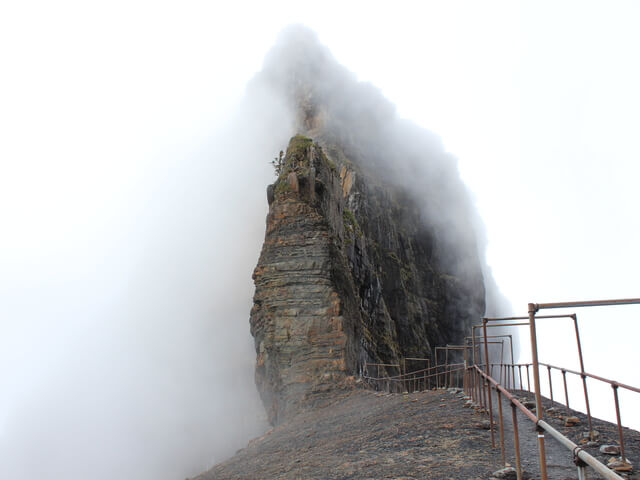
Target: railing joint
{"points": [[576, 458]]}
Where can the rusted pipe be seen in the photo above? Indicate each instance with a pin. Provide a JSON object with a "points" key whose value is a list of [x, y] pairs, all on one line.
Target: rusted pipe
{"points": [[486, 359], [566, 393], [579, 452], [620, 436], [500, 319], [536, 384], [520, 375], [588, 303], [543, 426], [485, 387], [516, 440], [501, 423], [446, 362], [509, 324], [525, 411], [501, 360], [582, 374], [542, 455]]}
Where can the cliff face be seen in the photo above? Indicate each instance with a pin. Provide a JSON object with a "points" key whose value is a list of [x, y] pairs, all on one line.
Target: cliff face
{"points": [[349, 273], [371, 249]]}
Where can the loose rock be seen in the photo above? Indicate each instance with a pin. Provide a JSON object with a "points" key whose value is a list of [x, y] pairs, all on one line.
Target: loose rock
{"points": [[485, 425], [590, 436], [619, 465], [610, 449], [571, 421], [508, 473]]}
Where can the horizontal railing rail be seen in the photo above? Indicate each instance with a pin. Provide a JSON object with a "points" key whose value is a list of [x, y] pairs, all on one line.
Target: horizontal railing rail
{"points": [[480, 385], [541, 426]]}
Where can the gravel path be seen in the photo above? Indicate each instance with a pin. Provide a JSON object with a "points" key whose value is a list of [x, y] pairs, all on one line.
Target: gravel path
{"points": [[366, 435], [369, 435], [559, 459]]}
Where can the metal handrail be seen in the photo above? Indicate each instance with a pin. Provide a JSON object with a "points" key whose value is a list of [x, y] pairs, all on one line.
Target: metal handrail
{"points": [[405, 376], [542, 425], [479, 384]]}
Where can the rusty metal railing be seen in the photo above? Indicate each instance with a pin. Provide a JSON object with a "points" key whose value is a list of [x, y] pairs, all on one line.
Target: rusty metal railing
{"points": [[479, 384], [415, 380], [482, 385], [614, 386], [533, 309], [479, 378]]}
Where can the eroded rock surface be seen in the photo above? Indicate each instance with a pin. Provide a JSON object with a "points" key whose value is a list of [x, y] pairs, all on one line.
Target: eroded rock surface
{"points": [[347, 275], [371, 249]]}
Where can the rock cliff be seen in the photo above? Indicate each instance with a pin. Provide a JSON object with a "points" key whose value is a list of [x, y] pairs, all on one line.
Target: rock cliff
{"points": [[370, 252]]}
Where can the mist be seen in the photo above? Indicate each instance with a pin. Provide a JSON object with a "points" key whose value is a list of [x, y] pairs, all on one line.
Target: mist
{"points": [[126, 287], [335, 109], [125, 344], [132, 200]]}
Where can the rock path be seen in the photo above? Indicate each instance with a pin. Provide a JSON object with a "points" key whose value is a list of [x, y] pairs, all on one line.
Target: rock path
{"points": [[367, 435]]}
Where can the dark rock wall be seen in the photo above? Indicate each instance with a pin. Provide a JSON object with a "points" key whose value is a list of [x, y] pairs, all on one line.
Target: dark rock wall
{"points": [[349, 273]]}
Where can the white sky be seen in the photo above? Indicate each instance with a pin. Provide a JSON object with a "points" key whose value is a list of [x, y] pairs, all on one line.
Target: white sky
{"points": [[538, 100]]}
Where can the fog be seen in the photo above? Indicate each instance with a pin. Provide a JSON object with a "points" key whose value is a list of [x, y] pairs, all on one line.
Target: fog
{"points": [[131, 227], [333, 107], [125, 345], [132, 200]]}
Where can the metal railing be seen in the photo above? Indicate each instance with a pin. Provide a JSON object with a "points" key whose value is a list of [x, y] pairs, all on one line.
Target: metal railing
{"points": [[584, 375], [479, 380], [475, 375], [437, 376]]}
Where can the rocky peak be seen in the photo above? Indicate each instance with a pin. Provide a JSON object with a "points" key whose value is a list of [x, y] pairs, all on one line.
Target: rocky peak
{"points": [[370, 252], [347, 275]]}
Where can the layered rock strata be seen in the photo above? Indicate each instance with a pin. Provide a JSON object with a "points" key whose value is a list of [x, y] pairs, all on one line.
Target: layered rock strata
{"points": [[349, 274]]}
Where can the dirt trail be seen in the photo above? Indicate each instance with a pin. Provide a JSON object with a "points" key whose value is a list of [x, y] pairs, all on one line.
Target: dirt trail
{"points": [[367, 435], [559, 459]]}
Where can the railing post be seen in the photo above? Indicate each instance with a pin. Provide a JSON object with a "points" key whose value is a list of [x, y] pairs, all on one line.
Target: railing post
{"points": [[513, 368], [447, 368], [474, 388], [490, 403], [566, 392], [536, 385], [403, 366], [502, 382], [516, 440], [582, 474], [464, 379], [528, 381], [584, 377], [520, 375], [621, 438], [485, 401], [501, 422], [586, 401], [550, 384]]}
